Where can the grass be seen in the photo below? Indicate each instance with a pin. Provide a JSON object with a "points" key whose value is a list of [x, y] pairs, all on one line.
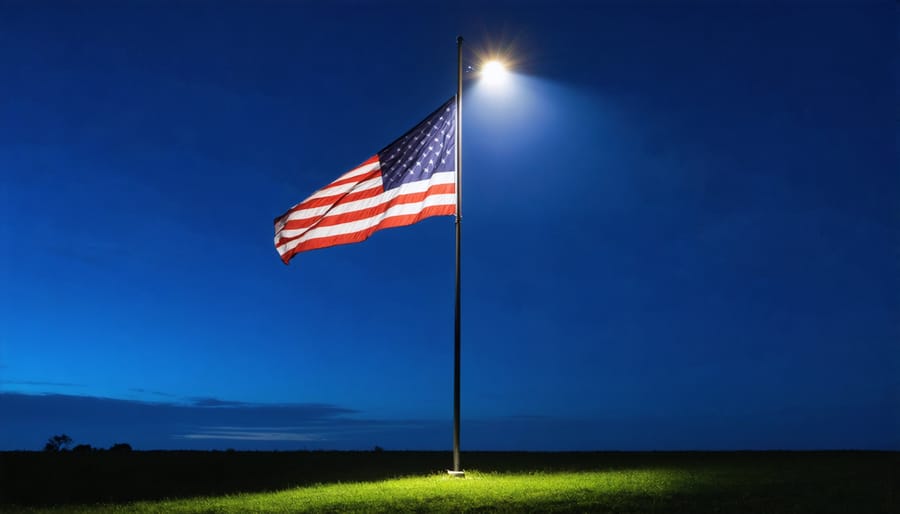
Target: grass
{"points": [[846, 482], [543, 492]]}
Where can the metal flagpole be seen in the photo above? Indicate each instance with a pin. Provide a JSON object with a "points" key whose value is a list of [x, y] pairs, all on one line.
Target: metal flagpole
{"points": [[456, 470]]}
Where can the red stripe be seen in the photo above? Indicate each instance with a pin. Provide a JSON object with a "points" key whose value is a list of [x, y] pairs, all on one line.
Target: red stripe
{"points": [[362, 235], [409, 219], [325, 221], [353, 180], [330, 199], [339, 181], [327, 200], [308, 222], [328, 220]]}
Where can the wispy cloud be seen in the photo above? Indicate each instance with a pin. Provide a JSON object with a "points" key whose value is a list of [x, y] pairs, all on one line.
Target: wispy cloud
{"points": [[215, 402], [155, 393], [253, 434], [198, 422]]}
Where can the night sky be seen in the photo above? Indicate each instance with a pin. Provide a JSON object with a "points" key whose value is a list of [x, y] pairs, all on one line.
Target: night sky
{"points": [[681, 226]]}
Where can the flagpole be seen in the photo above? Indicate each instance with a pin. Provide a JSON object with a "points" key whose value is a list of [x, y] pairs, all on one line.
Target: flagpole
{"points": [[456, 322]]}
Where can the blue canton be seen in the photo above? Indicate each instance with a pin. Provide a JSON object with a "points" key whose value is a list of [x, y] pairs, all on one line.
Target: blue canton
{"points": [[426, 149]]}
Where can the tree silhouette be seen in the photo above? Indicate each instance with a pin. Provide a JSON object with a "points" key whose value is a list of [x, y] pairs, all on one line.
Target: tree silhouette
{"points": [[120, 447], [58, 443]]}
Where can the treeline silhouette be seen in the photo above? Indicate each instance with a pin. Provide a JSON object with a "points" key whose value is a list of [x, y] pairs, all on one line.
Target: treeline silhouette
{"points": [[62, 442]]}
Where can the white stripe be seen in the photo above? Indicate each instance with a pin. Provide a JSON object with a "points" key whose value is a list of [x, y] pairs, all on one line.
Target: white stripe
{"points": [[359, 171], [343, 188], [412, 187], [444, 177], [340, 209], [360, 225], [362, 170], [333, 191]]}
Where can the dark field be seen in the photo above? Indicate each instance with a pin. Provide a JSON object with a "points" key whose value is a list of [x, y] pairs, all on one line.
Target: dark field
{"points": [[851, 482]]}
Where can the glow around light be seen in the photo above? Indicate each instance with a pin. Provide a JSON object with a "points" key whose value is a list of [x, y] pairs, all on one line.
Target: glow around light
{"points": [[494, 72]]}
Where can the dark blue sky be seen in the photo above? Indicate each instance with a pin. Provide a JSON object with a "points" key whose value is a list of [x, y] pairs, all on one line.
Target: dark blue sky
{"points": [[682, 227]]}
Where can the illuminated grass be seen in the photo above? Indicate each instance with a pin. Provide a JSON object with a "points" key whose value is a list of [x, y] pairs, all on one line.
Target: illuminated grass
{"points": [[478, 491], [643, 490], [739, 482]]}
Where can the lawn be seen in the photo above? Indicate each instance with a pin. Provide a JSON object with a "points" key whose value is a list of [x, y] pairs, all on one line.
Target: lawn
{"points": [[831, 482]]}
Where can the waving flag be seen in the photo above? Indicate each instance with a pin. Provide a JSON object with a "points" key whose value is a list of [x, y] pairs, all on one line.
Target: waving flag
{"points": [[411, 179]]}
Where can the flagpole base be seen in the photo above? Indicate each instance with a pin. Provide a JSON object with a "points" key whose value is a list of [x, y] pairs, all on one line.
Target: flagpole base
{"points": [[456, 474]]}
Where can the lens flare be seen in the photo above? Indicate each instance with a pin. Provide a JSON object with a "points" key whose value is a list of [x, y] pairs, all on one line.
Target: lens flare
{"points": [[493, 72]]}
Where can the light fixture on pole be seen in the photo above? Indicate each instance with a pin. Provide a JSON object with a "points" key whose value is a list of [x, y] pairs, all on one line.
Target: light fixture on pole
{"points": [[493, 72]]}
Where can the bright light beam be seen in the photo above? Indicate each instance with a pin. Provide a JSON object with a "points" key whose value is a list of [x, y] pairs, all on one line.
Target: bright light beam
{"points": [[494, 72]]}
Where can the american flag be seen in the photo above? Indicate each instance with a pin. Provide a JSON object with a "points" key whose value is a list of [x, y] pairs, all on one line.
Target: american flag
{"points": [[411, 179]]}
